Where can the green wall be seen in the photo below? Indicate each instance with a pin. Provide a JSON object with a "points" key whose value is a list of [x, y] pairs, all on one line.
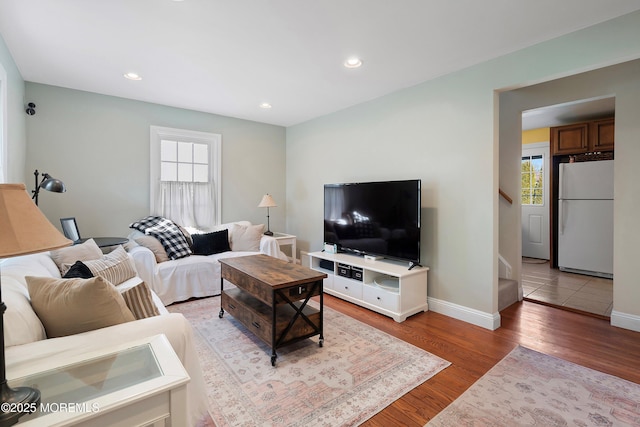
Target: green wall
{"points": [[16, 126], [99, 146], [445, 132]]}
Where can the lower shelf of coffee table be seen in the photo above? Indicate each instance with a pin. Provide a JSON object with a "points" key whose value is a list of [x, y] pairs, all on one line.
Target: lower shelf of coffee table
{"points": [[258, 318]]}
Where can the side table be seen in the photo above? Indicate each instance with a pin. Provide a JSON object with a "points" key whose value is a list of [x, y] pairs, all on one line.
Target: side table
{"points": [[287, 239], [138, 383], [104, 242]]}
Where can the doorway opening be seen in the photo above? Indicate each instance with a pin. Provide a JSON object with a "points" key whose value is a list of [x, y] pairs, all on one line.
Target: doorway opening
{"points": [[543, 216]]}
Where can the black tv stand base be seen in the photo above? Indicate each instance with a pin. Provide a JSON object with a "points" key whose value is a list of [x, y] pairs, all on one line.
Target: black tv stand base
{"points": [[414, 264]]}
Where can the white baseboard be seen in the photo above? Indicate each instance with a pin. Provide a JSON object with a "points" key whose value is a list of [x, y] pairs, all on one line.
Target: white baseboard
{"points": [[466, 314], [625, 320]]}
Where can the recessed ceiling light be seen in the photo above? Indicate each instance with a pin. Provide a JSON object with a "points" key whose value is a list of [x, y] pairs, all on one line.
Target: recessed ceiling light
{"points": [[265, 105], [132, 76], [353, 63]]}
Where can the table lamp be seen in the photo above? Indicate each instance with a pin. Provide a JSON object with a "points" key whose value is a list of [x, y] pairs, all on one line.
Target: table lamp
{"points": [[24, 230], [267, 202]]}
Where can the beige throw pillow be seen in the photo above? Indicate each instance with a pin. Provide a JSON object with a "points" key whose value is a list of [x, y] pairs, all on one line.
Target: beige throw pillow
{"points": [[71, 306], [138, 299], [245, 237], [154, 246], [66, 257], [115, 266], [186, 234]]}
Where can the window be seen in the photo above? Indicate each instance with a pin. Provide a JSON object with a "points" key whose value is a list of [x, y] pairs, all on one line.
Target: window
{"points": [[185, 176], [532, 180], [184, 161]]}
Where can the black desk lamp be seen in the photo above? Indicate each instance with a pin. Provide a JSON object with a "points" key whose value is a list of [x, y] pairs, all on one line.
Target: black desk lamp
{"points": [[49, 183], [24, 230]]}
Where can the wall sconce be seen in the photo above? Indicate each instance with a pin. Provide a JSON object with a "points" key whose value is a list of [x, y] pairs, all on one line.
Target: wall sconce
{"points": [[48, 183], [31, 109]]}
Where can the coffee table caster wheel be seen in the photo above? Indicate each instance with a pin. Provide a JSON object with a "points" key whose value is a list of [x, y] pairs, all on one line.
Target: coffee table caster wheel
{"points": [[321, 342], [221, 313], [273, 360]]}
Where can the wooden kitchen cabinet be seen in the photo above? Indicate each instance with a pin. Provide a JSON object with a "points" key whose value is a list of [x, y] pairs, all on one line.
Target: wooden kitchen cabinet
{"points": [[580, 138], [601, 135]]}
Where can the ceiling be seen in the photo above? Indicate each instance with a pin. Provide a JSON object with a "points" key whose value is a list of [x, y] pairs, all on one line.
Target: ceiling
{"points": [[567, 113], [228, 57]]}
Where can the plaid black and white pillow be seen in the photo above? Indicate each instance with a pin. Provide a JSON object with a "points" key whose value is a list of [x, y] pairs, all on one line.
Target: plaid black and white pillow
{"points": [[169, 234], [146, 222]]}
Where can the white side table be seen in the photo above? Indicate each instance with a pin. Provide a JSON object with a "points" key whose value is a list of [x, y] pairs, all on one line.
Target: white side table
{"points": [[139, 383], [287, 239]]}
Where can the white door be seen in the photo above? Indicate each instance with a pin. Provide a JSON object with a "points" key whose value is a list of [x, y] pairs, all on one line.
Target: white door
{"points": [[535, 200]]}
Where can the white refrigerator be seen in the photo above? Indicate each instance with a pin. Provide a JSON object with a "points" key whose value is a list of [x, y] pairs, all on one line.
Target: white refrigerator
{"points": [[585, 218]]}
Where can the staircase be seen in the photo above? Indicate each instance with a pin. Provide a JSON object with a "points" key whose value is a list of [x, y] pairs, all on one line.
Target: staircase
{"points": [[507, 293], [507, 287]]}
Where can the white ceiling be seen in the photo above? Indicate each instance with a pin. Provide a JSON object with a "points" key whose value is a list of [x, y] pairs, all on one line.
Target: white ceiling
{"points": [[567, 113], [227, 57]]}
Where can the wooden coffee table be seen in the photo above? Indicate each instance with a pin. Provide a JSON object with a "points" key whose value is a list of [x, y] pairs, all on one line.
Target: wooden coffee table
{"points": [[271, 299]]}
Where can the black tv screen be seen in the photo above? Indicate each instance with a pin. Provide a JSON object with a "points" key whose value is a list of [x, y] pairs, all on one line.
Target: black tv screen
{"points": [[374, 218]]}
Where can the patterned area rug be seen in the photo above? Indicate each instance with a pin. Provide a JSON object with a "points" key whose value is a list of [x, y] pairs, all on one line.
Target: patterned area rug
{"points": [[528, 388], [358, 371]]}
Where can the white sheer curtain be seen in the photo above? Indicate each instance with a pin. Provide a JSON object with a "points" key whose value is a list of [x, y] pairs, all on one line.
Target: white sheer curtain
{"points": [[190, 204]]}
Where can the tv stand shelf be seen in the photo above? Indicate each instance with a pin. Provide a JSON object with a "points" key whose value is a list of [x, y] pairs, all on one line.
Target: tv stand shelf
{"points": [[409, 298]]}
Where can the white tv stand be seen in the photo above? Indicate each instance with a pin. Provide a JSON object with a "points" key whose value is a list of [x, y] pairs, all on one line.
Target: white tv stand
{"points": [[409, 299]]}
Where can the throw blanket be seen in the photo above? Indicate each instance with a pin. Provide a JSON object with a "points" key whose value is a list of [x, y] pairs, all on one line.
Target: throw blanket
{"points": [[168, 232]]}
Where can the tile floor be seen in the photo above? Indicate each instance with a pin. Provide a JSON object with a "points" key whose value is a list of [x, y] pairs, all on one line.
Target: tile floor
{"points": [[575, 291]]}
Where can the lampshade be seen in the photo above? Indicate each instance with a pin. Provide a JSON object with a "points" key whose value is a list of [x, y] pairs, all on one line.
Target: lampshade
{"points": [[23, 228], [267, 202], [52, 184]]}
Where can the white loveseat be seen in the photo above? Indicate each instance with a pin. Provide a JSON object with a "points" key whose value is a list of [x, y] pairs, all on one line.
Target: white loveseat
{"points": [[195, 275], [26, 341]]}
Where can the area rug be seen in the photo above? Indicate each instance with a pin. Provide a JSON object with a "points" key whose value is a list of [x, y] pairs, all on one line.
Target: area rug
{"points": [[528, 388], [357, 372]]}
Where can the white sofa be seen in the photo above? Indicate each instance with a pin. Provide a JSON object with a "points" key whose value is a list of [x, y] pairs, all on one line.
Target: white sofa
{"points": [[26, 341], [194, 275]]}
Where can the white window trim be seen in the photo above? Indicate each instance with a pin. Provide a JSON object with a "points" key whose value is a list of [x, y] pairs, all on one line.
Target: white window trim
{"points": [[4, 133], [157, 133]]}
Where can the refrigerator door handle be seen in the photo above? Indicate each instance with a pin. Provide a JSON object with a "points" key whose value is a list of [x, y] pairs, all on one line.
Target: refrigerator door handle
{"points": [[561, 216], [561, 181]]}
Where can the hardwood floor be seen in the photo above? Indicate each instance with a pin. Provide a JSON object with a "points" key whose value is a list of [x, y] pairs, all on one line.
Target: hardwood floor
{"points": [[473, 350]]}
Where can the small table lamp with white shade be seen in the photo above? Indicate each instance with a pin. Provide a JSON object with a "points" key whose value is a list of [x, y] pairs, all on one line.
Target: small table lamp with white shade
{"points": [[23, 230], [267, 202]]}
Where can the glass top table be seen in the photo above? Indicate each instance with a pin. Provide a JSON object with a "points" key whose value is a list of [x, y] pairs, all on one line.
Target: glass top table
{"points": [[101, 382], [104, 242]]}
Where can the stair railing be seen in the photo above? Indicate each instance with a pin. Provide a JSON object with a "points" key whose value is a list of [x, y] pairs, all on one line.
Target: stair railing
{"points": [[506, 196]]}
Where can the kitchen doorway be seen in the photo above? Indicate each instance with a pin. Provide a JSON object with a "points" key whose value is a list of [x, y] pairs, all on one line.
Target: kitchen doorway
{"points": [[542, 282]]}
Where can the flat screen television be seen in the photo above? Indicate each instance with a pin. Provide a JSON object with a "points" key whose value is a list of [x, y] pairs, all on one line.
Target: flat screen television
{"points": [[374, 218]]}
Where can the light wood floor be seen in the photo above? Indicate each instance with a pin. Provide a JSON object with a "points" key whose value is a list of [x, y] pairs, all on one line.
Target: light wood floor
{"points": [[577, 292], [473, 350]]}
